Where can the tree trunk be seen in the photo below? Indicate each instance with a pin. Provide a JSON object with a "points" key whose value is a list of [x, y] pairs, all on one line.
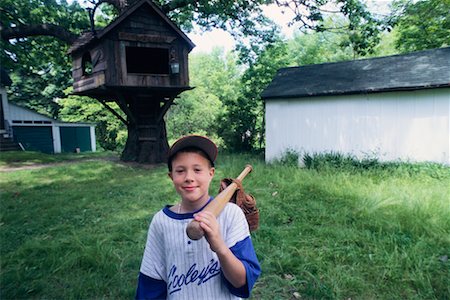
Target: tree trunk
{"points": [[147, 136]]}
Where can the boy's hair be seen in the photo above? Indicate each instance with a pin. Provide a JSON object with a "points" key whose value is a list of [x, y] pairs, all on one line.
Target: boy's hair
{"points": [[189, 150]]}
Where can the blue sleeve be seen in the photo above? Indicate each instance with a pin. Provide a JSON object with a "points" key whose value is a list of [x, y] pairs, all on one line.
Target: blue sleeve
{"points": [[150, 288], [245, 252]]}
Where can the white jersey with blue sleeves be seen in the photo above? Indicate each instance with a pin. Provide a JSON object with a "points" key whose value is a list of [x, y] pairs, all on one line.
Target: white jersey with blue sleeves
{"points": [[189, 269]]}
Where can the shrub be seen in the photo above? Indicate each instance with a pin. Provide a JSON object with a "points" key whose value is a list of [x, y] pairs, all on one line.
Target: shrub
{"points": [[289, 158]]}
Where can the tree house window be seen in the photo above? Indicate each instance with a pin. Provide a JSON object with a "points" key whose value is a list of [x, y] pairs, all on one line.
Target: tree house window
{"points": [[147, 60], [86, 64]]}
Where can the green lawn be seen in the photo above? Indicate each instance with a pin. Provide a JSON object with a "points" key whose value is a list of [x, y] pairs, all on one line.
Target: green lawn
{"points": [[14, 159], [77, 231]]}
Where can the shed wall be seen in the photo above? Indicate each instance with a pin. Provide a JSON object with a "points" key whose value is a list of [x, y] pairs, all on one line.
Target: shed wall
{"points": [[5, 106], [404, 126]]}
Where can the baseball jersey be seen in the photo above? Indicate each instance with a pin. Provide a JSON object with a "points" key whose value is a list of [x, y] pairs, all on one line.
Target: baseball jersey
{"points": [[176, 267]]}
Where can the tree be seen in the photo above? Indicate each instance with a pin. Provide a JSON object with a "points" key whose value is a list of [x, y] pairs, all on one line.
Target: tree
{"points": [[109, 130], [319, 47], [332, 46], [421, 24], [215, 78], [242, 125], [35, 34], [245, 116], [39, 67]]}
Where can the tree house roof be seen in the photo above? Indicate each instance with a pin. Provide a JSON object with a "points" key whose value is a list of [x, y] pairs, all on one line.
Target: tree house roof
{"points": [[87, 38]]}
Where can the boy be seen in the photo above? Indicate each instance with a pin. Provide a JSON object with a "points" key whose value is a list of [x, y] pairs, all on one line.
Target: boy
{"points": [[223, 265]]}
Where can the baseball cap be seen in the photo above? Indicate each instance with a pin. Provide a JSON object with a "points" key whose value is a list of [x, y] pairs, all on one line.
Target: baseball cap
{"points": [[197, 141]]}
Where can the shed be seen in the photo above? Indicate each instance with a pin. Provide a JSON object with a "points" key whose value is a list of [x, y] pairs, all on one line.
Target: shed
{"points": [[391, 108], [37, 132]]}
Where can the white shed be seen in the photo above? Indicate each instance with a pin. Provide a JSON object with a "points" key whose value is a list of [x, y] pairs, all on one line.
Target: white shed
{"points": [[391, 108]]}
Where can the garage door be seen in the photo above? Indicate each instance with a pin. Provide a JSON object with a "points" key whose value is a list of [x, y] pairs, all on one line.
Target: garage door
{"points": [[75, 137], [34, 138]]}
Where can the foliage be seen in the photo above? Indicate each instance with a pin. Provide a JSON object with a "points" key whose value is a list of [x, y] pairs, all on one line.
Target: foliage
{"points": [[105, 13], [386, 46], [215, 78], [290, 158], [242, 125], [227, 15], [110, 131], [306, 48], [41, 68], [78, 231], [348, 163], [421, 25], [363, 27], [315, 48], [319, 161]]}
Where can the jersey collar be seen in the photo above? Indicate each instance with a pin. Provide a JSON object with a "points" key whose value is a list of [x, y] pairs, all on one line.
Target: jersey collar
{"points": [[183, 216]]}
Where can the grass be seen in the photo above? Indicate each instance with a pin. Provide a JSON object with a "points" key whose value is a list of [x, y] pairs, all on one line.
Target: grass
{"points": [[77, 231], [14, 159]]}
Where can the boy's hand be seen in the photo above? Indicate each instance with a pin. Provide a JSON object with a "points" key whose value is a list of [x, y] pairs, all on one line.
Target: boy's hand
{"points": [[209, 224], [233, 269]]}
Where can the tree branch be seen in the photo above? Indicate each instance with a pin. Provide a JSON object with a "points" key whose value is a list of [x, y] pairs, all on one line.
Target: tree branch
{"points": [[24, 31], [115, 113], [172, 5], [121, 101]]}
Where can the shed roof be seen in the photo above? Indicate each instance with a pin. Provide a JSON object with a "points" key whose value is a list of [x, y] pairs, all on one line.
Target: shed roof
{"points": [[417, 70], [17, 108], [89, 37]]}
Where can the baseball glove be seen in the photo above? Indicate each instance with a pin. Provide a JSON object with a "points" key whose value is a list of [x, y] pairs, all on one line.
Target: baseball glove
{"points": [[245, 201]]}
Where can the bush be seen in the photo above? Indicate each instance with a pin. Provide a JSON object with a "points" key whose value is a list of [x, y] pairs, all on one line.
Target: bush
{"points": [[337, 160], [289, 158], [342, 162]]}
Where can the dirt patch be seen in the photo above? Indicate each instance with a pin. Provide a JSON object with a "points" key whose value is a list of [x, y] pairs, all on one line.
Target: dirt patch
{"points": [[36, 166]]}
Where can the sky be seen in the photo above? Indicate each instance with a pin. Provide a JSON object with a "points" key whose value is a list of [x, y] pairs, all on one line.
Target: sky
{"points": [[205, 42]]}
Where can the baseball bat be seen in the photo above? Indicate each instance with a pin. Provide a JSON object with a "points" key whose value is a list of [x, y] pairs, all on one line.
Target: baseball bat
{"points": [[194, 230]]}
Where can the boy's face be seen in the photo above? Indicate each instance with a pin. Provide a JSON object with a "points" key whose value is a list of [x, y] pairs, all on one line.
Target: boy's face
{"points": [[191, 175]]}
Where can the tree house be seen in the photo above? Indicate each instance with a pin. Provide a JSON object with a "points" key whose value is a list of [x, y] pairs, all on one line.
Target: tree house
{"points": [[139, 61]]}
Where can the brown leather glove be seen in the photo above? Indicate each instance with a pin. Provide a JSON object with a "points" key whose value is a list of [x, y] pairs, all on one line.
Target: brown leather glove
{"points": [[245, 201]]}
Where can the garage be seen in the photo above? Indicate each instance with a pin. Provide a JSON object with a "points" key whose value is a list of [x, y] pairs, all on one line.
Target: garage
{"points": [[34, 138], [36, 132], [74, 139]]}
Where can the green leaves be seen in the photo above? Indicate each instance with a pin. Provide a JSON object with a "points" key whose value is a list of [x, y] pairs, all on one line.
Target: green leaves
{"points": [[421, 24], [242, 126], [40, 68], [110, 131], [215, 78]]}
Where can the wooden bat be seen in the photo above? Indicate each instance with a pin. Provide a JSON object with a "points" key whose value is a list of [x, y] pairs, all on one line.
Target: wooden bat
{"points": [[193, 230]]}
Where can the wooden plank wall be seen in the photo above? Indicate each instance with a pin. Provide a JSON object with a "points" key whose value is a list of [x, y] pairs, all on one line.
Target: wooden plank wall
{"points": [[144, 28]]}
